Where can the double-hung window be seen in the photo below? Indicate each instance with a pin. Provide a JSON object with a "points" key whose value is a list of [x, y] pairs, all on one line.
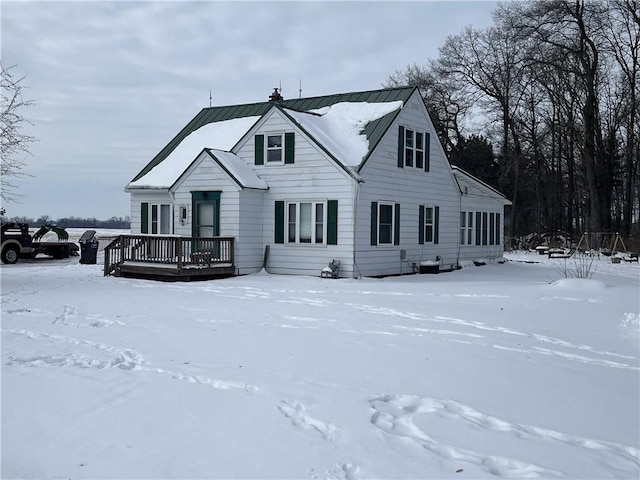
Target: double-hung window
{"points": [[469, 228], [385, 223], [428, 224], [485, 228], [306, 222], [413, 149], [274, 148], [492, 228], [429, 219]]}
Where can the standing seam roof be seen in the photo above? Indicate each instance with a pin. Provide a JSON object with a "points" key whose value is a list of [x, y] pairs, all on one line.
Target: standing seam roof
{"points": [[373, 130]]}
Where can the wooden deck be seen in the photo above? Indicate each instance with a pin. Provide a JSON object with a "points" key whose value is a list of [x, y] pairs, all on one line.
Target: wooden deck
{"points": [[169, 258]]}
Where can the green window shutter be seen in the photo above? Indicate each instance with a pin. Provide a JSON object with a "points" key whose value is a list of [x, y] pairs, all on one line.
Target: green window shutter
{"points": [[498, 230], [289, 147], [400, 146], [427, 151], [374, 223], [436, 224], [332, 222], [279, 223], [478, 227], [396, 225], [144, 217], [421, 225], [259, 150]]}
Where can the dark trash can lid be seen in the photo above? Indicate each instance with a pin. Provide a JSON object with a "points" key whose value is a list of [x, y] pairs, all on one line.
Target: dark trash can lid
{"points": [[87, 236]]}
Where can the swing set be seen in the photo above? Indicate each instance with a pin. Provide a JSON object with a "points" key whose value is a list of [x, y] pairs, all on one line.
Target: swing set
{"points": [[605, 243]]}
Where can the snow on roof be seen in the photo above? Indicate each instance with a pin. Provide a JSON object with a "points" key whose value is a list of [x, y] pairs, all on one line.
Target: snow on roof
{"points": [[218, 135], [339, 127], [239, 169]]}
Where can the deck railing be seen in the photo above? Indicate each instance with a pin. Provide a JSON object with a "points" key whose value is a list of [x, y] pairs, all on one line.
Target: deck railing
{"points": [[185, 253]]}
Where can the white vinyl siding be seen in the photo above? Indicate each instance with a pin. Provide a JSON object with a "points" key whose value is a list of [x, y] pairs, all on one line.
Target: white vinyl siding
{"points": [[313, 176], [383, 180]]}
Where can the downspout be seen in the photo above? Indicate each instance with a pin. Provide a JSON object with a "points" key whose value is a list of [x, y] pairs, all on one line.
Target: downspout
{"points": [[459, 227], [460, 193], [355, 226]]}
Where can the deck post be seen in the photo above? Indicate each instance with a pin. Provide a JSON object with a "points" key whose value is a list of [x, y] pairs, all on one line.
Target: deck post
{"points": [[179, 252], [122, 259]]}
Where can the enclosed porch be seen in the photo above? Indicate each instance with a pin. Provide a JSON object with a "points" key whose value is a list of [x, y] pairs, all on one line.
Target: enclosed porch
{"points": [[169, 258]]}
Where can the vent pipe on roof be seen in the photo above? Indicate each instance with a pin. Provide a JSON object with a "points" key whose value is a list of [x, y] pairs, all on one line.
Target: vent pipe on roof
{"points": [[275, 96]]}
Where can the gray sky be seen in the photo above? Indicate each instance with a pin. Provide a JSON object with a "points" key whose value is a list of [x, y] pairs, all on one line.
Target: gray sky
{"points": [[113, 82]]}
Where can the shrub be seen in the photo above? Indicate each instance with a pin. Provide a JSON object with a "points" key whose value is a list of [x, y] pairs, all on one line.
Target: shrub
{"points": [[578, 267]]}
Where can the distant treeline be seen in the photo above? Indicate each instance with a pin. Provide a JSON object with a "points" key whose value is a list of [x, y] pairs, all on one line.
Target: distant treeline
{"points": [[73, 222]]}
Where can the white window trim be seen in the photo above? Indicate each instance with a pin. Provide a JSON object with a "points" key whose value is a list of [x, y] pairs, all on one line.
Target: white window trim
{"points": [[466, 227], [157, 207], [393, 224], [415, 148], [313, 223], [267, 149], [432, 224]]}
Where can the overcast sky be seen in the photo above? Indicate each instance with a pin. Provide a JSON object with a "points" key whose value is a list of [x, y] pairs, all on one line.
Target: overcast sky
{"points": [[113, 82]]}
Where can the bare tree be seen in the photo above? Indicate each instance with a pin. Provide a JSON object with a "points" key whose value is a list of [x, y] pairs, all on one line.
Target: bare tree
{"points": [[623, 37], [490, 62], [447, 102], [14, 143]]}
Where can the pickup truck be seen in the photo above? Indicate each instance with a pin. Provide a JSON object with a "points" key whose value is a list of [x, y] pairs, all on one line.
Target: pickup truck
{"points": [[18, 243]]}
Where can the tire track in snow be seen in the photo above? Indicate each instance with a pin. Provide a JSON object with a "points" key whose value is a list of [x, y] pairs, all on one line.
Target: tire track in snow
{"points": [[393, 414]]}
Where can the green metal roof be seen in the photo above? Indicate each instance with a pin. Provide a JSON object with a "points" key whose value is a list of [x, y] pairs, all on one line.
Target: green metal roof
{"points": [[373, 131]]}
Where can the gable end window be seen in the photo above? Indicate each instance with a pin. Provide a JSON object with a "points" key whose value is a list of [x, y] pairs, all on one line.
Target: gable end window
{"points": [[413, 149], [274, 148]]}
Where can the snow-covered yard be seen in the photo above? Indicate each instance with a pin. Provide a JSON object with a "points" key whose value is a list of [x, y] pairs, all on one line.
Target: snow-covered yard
{"points": [[496, 371]]}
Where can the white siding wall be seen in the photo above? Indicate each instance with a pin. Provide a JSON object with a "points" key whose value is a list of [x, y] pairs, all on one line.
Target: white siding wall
{"points": [[313, 177], [150, 196], [479, 199], [206, 175], [385, 181], [250, 241]]}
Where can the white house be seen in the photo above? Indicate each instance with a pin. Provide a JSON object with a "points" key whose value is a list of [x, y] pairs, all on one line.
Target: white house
{"points": [[359, 177]]}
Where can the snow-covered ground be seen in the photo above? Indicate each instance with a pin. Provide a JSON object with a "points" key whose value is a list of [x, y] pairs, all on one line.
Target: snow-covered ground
{"points": [[496, 371]]}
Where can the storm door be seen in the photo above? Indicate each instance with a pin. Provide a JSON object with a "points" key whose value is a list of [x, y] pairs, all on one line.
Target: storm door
{"points": [[206, 220]]}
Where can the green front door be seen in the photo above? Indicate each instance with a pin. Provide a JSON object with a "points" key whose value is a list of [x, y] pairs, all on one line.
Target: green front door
{"points": [[206, 214]]}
